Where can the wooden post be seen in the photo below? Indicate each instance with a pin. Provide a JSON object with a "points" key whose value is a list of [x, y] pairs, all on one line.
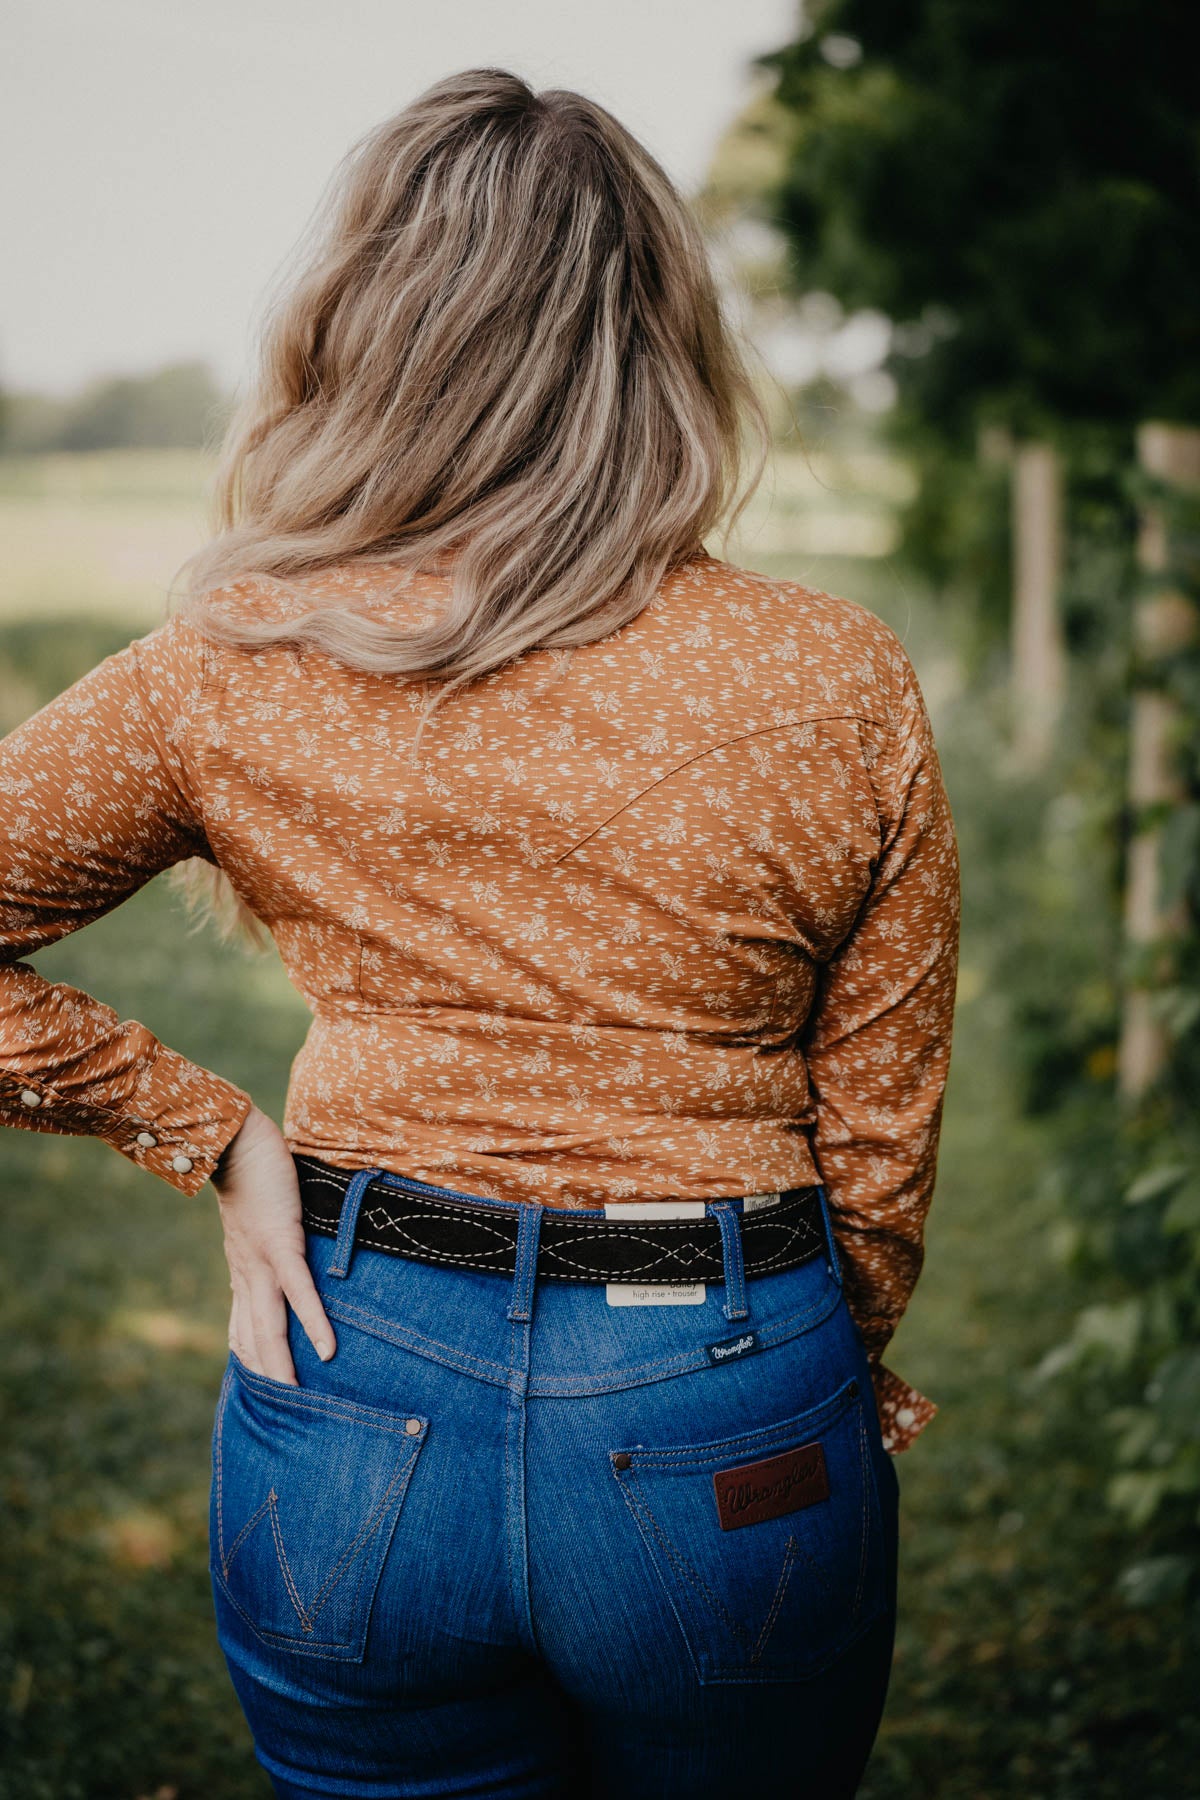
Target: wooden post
{"points": [[1038, 653], [1164, 621]]}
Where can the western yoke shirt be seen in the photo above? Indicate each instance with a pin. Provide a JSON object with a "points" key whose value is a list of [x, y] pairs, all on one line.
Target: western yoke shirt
{"points": [[669, 916]]}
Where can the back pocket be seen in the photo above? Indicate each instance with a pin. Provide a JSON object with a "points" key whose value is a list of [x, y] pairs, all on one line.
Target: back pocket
{"points": [[307, 1488], [769, 1545]]}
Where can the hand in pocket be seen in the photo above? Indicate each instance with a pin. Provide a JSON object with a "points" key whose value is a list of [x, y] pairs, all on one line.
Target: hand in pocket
{"points": [[259, 1195]]}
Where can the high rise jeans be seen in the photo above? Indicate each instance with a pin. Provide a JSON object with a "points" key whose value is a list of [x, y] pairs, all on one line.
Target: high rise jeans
{"points": [[514, 1540]]}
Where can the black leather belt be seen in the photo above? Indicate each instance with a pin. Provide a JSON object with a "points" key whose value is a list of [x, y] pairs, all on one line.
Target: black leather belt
{"points": [[573, 1246]]}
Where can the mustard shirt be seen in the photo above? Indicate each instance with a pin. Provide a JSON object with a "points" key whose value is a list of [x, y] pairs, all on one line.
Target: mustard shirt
{"points": [[673, 915]]}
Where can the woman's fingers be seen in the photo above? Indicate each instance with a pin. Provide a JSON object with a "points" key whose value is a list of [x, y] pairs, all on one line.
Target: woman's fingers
{"points": [[300, 1291], [268, 1313], [259, 1195], [258, 1317]]}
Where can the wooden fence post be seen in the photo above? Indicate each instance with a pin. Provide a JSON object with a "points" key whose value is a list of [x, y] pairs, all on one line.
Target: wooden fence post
{"points": [[1164, 621], [1038, 652]]}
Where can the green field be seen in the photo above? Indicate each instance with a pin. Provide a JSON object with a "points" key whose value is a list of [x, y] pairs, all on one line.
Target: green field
{"points": [[1019, 1675]]}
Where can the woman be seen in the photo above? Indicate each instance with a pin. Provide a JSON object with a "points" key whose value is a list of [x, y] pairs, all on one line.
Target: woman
{"points": [[555, 1449]]}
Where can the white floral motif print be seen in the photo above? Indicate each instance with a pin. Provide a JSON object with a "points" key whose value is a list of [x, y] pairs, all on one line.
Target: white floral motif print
{"points": [[681, 910]]}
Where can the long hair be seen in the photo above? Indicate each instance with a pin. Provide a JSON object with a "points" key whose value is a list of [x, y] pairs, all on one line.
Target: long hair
{"points": [[503, 358]]}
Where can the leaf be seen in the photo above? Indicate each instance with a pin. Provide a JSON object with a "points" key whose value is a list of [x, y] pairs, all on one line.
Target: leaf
{"points": [[1138, 1428], [1175, 1392], [1155, 1579], [1153, 1182], [1057, 1359], [1113, 1327], [1183, 1214], [1137, 1493]]}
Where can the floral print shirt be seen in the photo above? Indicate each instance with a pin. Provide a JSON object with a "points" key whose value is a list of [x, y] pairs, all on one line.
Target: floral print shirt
{"points": [[669, 916]]}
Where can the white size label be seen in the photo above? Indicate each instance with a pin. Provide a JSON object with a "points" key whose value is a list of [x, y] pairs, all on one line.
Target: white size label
{"points": [[654, 1209], [642, 1293], [656, 1293]]}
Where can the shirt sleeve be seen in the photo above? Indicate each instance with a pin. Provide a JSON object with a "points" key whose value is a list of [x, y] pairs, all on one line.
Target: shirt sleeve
{"points": [[878, 1051], [95, 799]]}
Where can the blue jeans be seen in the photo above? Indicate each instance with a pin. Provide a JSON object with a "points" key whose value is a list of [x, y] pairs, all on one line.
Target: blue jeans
{"points": [[513, 1540]]}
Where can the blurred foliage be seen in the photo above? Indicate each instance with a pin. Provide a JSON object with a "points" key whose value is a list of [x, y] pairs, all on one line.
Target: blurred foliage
{"points": [[1017, 192], [179, 406], [1126, 1184], [1136, 1352], [1015, 189]]}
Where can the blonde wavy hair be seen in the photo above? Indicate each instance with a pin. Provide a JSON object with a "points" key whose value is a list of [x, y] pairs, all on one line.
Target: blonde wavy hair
{"points": [[503, 358]]}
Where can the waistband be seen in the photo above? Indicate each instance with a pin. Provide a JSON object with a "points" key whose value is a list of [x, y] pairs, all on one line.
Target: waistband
{"points": [[740, 1237]]}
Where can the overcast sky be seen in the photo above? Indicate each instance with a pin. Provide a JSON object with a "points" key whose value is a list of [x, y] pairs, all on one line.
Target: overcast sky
{"points": [[162, 156]]}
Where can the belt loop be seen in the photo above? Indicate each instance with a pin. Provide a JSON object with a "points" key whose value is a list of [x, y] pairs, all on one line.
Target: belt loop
{"points": [[728, 1218], [835, 1265], [529, 1225], [343, 1250]]}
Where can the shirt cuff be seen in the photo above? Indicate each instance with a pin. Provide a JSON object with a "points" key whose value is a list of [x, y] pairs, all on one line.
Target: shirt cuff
{"points": [[178, 1119], [904, 1411]]}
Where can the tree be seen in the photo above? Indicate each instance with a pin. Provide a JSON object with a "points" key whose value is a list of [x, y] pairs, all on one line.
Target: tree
{"points": [[177, 406], [1017, 189]]}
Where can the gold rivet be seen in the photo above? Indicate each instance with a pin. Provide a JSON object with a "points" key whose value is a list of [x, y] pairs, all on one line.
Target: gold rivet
{"points": [[412, 1426]]}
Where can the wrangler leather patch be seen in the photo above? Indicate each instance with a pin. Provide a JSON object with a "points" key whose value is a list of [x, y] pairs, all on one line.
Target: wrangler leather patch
{"points": [[764, 1490]]}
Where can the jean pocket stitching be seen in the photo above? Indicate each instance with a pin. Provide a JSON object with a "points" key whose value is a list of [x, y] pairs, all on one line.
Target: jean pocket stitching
{"points": [[785, 1576], [218, 1464], [325, 1407], [284, 1566], [355, 1550], [685, 1362], [755, 1647], [410, 1339], [867, 1481], [332, 1406], [745, 1656], [243, 1534], [815, 1567], [637, 1502], [700, 1456]]}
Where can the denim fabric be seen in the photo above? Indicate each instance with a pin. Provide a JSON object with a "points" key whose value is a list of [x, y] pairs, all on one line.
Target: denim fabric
{"points": [[480, 1551]]}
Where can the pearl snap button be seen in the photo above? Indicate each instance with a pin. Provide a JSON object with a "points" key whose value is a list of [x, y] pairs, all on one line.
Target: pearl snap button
{"points": [[182, 1163], [412, 1426], [146, 1137], [905, 1416], [29, 1098]]}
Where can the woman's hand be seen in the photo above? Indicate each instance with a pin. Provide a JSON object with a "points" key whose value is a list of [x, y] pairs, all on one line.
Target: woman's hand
{"points": [[259, 1195]]}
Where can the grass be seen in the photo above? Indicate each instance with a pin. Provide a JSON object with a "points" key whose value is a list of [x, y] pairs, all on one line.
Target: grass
{"points": [[1019, 1673]]}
